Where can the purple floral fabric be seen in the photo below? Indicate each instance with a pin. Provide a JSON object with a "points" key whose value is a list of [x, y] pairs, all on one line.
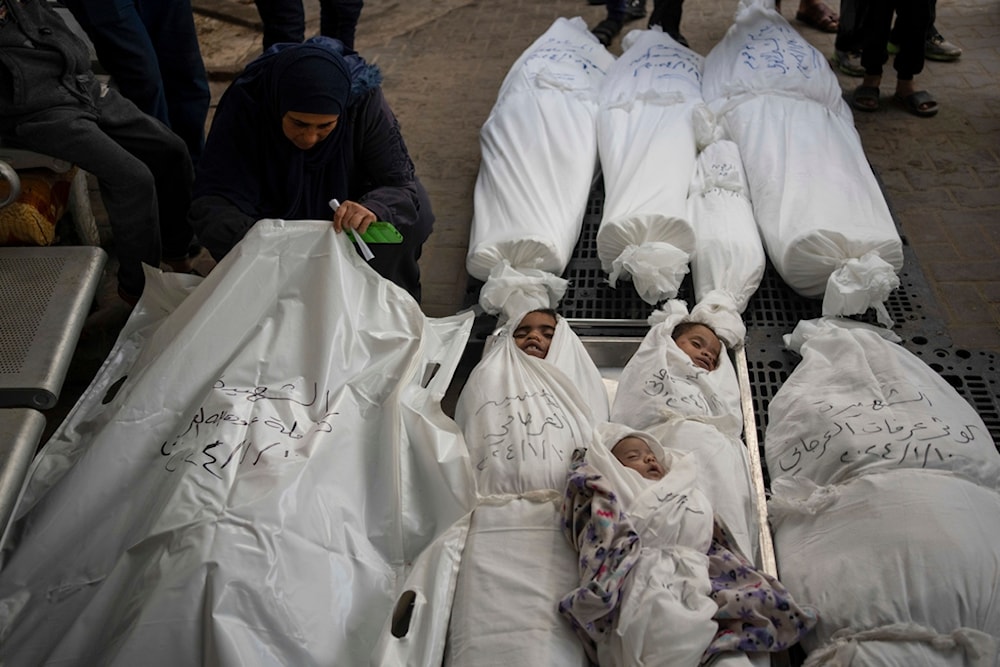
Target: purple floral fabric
{"points": [[756, 612], [608, 546]]}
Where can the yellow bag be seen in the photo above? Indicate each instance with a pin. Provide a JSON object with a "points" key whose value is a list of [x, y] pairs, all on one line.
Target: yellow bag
{"points": [[32, 218]]}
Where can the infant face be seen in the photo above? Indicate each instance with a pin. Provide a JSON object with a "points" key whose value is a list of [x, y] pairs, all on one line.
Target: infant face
{"points": [[534, 334], [702, 345], [634, 453]]}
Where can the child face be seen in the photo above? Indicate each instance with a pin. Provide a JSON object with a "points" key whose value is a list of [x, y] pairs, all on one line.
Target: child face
{"points": [[702, 345], [634, 453], [534, 334]]}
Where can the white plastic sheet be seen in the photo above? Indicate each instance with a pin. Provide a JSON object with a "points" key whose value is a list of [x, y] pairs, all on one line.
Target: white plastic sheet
{"points": [[859, 403], [539, 154], [263, 481], [646, 142], [822, 216]]}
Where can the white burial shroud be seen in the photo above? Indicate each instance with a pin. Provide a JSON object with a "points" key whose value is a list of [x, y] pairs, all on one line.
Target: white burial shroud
{"points": [[646, 142], [822, 216], [729, 256], [522, 418], [272, 469], [539, 154], [885, 503]]}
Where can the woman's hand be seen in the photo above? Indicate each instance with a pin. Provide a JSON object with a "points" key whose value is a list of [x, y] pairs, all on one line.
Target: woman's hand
{"points": [[351, 215]]}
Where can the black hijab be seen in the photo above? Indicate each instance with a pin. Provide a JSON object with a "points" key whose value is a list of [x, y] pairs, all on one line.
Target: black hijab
{"points": [[248, 159]]}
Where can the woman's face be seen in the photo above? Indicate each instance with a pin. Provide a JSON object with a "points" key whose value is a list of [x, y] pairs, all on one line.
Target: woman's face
{"points": [[305, 130]]}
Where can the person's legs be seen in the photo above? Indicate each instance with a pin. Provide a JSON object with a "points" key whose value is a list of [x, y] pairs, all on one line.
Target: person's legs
{"points": [[284, 21], [878, 21], [165, 156], [127, 185], [171, 27], [608, 29], [339, 19], [936, 47], [847, 45], [912, 19], [125, 50], [667, 15]]}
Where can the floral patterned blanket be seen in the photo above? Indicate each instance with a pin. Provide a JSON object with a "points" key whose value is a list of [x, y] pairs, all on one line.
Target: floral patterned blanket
{"points": [[755, 611]]}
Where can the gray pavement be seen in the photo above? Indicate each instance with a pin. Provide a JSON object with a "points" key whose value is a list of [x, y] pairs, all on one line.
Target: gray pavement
{"points": [[443, 61]]}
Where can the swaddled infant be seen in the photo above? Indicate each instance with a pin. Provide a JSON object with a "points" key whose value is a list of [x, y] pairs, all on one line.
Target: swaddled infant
{"points": [[661, 580]]}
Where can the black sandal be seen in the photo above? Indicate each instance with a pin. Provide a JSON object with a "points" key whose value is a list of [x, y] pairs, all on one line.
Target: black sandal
{"points": [[866, 98]]}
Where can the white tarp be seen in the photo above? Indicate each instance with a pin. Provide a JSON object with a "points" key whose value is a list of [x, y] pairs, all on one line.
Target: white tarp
{"points": [[539, 154], [822, 216], [258, 490], [645, 136]]}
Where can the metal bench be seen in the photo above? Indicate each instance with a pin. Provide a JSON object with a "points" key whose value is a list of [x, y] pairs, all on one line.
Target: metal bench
{"points": [[20, 432], [79, 194], [45, 296]]}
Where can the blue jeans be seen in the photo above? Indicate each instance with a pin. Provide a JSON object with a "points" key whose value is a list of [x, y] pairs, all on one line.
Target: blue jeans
{"points": [[150, 49]]}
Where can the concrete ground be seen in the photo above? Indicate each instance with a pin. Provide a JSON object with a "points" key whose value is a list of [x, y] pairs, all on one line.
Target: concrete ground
{"points": [[443, 61]]}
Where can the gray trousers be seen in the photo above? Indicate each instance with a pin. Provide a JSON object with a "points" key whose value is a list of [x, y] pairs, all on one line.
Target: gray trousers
{"points": [[143, 170]]}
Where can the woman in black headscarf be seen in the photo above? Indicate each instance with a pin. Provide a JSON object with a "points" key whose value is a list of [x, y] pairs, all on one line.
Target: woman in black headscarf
{"points": [[304, 124]]}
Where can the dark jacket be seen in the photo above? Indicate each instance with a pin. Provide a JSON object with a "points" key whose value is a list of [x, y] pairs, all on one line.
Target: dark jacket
{"points": [[43, 64], [250, 171]]}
